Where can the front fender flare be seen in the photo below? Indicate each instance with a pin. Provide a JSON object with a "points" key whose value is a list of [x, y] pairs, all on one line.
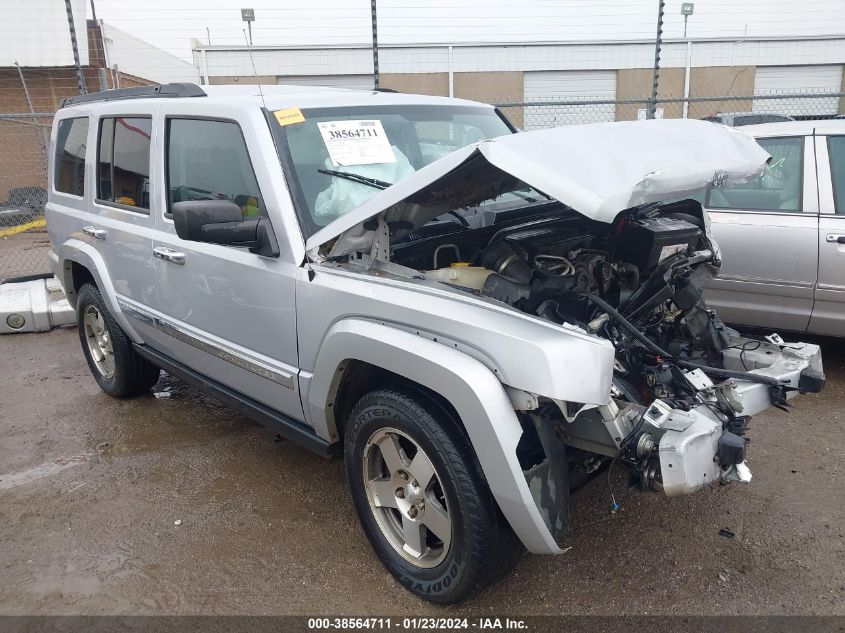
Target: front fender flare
{"points": [[472, 389]]}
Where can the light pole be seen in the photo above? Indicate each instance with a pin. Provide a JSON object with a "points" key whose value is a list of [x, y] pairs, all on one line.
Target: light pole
{"points": [[687, 9], [248, 16]]}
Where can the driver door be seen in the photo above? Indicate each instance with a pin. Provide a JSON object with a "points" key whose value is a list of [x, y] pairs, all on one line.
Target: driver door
{"points": [[224, 312]]}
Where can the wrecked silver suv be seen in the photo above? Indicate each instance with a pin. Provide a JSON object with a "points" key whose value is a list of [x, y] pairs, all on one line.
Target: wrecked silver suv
{"points": [[479, 320]]}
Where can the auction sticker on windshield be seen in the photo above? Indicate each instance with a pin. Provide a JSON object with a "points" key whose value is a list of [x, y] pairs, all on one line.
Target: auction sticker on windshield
{"points": [[356, 142]]}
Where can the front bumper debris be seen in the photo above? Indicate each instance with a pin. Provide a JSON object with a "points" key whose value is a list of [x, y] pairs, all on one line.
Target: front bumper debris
{"points": [[697, 448]]}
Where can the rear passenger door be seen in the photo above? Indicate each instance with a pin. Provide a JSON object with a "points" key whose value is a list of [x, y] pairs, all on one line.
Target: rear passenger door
{"points": [[223, 311], [829, 308], [120, 222], [767, 231]]}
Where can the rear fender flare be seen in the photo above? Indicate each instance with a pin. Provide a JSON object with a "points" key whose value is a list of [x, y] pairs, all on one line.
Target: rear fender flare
{"points": [[77, 251]]}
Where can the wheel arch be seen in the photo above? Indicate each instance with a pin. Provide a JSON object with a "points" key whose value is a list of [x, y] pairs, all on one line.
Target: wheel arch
{"points": [[383, 353], [357, 378], [81, 263]]}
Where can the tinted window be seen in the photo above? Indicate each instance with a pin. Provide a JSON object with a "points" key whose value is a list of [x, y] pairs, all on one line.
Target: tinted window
{"points": [[123, 166], [836, 149], [208, 160], [71, 141], [777, 189]]}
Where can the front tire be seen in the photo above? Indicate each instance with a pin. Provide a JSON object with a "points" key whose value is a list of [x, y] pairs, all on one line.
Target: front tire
{"points": [[116, 367], [422, 499]]}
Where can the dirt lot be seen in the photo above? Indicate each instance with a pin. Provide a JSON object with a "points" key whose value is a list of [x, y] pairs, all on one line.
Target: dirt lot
{"points": [[90, 488]]}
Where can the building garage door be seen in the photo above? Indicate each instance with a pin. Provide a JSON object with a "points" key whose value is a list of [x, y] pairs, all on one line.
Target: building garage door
{"points": [[771, 80], [568, 85], [353, 82]]}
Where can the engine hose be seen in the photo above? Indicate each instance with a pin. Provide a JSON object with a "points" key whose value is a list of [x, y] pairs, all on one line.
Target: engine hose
{"points": [[654, 347]]}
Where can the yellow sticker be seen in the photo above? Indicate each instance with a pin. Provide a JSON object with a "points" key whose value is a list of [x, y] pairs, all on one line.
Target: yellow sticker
{"points": [[289, 116]]}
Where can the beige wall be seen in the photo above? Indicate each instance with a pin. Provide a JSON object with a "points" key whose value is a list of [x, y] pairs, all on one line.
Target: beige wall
{"points": [[489, 87], [436, 84], [247, 80], [721, 80], [711, 81], [492, 87], [635, 83], [842, 99]]}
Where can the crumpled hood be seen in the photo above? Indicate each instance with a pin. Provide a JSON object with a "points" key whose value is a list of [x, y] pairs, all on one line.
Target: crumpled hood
{"points": [[598, 170]]}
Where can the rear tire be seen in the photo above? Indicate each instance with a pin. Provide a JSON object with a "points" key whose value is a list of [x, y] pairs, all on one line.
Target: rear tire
{"points": [[422, 498], [116, 367]]}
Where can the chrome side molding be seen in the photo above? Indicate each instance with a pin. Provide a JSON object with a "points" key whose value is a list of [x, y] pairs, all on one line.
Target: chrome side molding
{"points": [[280, 377]]}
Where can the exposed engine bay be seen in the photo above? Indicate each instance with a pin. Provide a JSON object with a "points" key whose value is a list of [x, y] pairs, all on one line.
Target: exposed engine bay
{"points": [[638, 283]]}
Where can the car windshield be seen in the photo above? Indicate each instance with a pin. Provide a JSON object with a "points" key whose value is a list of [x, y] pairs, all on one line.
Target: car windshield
{"points": [[336, 159]]}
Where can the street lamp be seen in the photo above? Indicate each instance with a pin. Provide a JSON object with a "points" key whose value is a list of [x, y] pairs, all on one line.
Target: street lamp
{"points": [[687, 9], [248, 16]]}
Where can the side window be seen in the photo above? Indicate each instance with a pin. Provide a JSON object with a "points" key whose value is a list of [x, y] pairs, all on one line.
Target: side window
{"points": [[123, 163], [836, 149], [71, 142], [777, 189], [208, 160]]}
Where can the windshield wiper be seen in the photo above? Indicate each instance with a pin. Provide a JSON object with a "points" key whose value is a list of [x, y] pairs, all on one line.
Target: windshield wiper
{"points": [[528, 198], [375, 183]]}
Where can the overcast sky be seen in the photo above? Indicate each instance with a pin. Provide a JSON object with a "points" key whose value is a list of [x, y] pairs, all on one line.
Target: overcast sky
{"points": [[327, 22]]}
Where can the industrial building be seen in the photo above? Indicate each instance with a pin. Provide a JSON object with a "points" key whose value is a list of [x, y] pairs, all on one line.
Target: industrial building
{"points": [[791, 47]]}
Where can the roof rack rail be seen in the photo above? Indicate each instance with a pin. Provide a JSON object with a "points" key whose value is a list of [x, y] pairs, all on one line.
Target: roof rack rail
{"points": [[139, 92]]}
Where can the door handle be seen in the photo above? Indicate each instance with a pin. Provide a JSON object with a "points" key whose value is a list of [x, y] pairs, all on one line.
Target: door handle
{"points": [[95, 232], [833, 237], [169, 255]]}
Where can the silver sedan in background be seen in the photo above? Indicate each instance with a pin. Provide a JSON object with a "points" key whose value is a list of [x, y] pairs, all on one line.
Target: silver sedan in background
{"points": [[782, 235]]}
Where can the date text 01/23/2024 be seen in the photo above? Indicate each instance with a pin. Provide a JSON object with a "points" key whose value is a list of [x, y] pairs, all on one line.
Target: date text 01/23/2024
{"points": [[417, 624]]}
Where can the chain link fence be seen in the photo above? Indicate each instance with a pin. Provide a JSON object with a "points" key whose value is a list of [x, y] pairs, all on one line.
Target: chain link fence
{"points": [[24, 145], [24, 142], [556, 112]]}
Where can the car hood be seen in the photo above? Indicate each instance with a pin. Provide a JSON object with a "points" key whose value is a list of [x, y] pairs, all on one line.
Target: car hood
{"points": [[598, 170]]}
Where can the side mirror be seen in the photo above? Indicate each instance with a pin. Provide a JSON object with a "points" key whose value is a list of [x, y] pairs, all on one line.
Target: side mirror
{"points": [[221, 222]]}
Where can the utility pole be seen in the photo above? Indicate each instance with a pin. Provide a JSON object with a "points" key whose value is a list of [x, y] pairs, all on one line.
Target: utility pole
{"points": [[80, 78], [652, 104], [375, 43]]}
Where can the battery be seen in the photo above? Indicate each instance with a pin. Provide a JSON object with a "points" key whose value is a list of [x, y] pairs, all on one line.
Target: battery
{"points": [[646, 242]]}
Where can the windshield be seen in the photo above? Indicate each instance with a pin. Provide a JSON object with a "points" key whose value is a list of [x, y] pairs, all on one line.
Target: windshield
{"points": [[335, 159]]}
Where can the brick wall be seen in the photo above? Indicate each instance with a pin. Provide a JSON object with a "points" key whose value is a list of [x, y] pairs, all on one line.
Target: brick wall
{"points": [[23, 141]]}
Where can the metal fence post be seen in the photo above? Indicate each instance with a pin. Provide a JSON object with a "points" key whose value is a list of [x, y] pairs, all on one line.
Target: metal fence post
{"points": [[375, 44], [80, 78], [652, 106]]}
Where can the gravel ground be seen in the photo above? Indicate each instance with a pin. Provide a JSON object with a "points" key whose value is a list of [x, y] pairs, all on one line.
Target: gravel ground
{"points": [[91, 490]]}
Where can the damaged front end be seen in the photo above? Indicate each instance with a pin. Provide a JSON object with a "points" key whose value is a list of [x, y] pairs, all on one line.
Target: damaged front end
{"points": [[593, 247]]}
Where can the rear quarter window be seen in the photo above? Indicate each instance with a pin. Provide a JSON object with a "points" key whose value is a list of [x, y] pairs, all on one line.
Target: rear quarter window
{"points": [[71, 145]]}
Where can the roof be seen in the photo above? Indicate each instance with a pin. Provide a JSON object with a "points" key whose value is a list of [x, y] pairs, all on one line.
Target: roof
{"points": [[273, 96], [796, 128]]}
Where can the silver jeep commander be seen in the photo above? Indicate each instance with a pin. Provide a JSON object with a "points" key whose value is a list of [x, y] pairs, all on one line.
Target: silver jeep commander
{"points": [[479, 320]]}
